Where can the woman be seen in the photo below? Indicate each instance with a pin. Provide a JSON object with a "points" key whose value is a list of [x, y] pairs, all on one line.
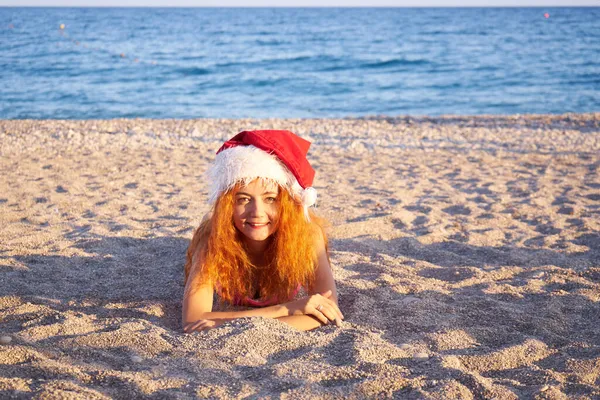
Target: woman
{"points": [[260, 243]]}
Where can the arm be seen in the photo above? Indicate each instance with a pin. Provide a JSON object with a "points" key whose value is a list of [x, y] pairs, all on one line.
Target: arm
{"points": [[323, 288], [197, 314], [197, 311]]}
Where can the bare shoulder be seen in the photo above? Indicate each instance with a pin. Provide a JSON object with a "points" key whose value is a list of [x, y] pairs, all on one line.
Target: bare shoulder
{"points": [[324, 280], [206, 217], [318, 234]]}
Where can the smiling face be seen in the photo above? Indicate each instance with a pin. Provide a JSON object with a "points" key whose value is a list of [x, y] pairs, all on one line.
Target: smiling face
{"points": [[256, 211]]}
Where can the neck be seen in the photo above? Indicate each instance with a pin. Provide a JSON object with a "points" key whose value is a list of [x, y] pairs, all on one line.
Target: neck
{"points": [[255, 248]]}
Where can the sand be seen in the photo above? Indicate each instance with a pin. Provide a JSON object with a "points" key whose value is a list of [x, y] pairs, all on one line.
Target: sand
{"points": [[466, 252]]}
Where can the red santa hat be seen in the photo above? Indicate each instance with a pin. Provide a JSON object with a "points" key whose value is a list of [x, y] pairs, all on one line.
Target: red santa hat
{"points": [[274, 155]]}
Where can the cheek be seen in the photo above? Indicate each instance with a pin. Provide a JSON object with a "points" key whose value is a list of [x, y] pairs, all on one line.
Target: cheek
{"points": [[238, 216], [274, 214]]}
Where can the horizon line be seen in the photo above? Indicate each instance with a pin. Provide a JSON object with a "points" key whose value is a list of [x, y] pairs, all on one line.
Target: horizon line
{"points": [[307, 6]]}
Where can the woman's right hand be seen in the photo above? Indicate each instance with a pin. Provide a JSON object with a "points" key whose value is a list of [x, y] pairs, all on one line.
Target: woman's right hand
{"points": [[320, 306], [202, 325]]}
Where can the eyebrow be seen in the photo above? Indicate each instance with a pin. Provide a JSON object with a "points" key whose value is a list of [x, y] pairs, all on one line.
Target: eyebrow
{"points": [[249, 195]]}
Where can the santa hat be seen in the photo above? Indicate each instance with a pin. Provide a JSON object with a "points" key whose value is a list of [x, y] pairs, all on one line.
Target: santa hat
{"points": [[274, 155]]}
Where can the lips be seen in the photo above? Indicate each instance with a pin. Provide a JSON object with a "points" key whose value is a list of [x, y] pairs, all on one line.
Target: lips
{"points": [[257, 225]]}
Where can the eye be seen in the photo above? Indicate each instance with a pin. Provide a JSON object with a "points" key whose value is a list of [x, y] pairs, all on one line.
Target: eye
{"points": [[270, 200], [242, 200]]}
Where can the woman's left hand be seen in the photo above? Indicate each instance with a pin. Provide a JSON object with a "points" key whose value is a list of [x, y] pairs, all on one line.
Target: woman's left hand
{"points": [[202, 325], [321, 306]]}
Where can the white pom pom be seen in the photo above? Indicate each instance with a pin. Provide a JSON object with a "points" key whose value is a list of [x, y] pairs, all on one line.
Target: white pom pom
{"points": [[309, 197]]}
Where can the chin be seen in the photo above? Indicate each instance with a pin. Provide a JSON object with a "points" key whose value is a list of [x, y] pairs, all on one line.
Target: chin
{"points": [[256, 236], [257, 239]]}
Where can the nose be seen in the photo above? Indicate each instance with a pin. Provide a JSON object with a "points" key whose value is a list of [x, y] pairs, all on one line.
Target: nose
{"points": [[257, 208]]}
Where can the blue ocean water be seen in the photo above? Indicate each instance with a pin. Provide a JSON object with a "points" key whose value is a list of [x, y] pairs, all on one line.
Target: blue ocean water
{"points": [[287, 62]]}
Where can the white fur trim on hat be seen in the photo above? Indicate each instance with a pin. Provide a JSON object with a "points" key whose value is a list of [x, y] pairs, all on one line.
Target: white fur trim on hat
{"points": [[243, 164], [309, 198]]}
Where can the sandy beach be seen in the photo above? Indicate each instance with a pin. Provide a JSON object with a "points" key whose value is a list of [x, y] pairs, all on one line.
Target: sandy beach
{"points": [[466, 252]]}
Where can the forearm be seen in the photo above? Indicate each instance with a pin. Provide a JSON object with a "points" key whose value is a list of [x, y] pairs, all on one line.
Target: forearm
{"points": [[276, 311], [303, 314]]}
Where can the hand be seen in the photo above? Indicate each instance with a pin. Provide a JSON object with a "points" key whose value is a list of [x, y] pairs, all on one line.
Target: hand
{"points": [[318, 305], [202, 325]]}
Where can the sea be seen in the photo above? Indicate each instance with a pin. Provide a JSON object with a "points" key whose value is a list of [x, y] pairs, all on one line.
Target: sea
{"points": [[104, 63]]}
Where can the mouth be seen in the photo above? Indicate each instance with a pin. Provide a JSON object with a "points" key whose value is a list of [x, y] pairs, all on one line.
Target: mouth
{"points": [[256, 225]]}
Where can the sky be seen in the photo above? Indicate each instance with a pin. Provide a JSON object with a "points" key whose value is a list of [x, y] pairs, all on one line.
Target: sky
{"points": [[298, 3]]}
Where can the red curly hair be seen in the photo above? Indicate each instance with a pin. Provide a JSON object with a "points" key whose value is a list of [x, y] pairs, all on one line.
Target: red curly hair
{"points": [[217, 253]]}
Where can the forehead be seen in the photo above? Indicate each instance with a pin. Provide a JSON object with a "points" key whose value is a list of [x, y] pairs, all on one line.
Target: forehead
{"points": [[258, 186]]}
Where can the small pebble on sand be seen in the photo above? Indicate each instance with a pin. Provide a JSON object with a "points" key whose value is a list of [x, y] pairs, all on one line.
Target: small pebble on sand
{"points": [[136, 359], [410, 300], [421, 356], [5, 339]]}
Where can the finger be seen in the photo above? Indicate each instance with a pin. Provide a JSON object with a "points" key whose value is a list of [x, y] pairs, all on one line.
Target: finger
{"points": [[206, 327], [320, 316], [339, 312], [189, 328], [327, 297], [200, 325], [329, 313], [193, 327], [335, 307], [333, 315]]}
